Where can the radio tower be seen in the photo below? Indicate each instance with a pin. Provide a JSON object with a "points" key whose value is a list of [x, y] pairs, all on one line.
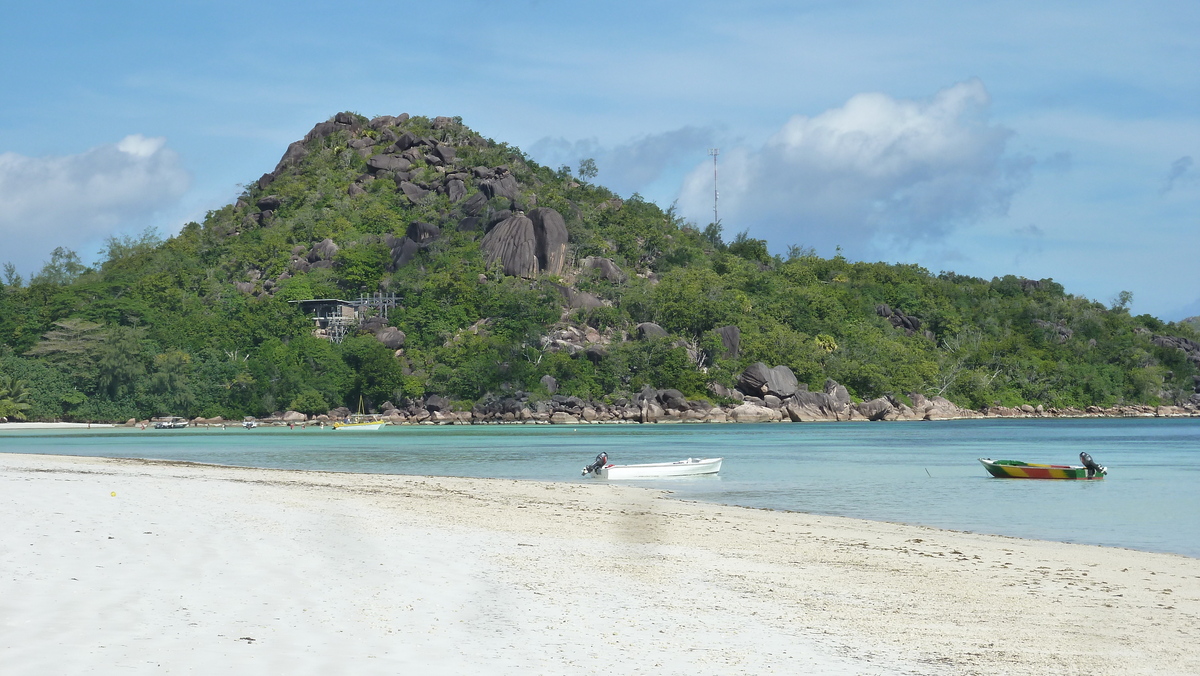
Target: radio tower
{"points": [[716, 195]]}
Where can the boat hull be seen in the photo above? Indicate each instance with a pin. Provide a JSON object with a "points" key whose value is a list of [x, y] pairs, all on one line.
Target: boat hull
{"points": [[658, 470], [1015, 469]]}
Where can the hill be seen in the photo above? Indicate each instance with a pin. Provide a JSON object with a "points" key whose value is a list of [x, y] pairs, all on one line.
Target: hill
{"points": [[475, 278]]}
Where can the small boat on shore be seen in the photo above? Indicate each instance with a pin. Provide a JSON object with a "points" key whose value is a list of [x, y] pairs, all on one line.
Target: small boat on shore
{"points": [[172, 423], [656, 470], [1015, 469]]}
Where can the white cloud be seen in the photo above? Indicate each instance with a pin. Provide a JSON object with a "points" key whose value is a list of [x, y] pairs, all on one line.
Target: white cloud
{"points": [[877, 170], [47, 202]]}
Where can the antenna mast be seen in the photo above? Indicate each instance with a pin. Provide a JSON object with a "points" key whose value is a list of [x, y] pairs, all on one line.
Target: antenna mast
{"points": [[716, 195]]}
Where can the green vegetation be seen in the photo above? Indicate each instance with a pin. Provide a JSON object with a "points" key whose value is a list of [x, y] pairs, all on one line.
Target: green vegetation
{"points": [[159, 327]]}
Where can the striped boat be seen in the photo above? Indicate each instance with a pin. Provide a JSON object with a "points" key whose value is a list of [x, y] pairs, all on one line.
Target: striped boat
{"points": [[1015, 469]]}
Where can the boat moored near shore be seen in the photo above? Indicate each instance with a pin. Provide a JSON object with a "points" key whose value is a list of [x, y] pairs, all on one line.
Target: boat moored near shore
{"points": [[1016, 469], [656, 470]]}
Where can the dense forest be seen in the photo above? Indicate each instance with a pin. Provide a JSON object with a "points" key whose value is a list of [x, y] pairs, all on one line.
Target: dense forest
{"points": [[507, 272]]}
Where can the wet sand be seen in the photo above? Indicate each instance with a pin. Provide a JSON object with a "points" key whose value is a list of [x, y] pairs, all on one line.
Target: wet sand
{"points": [[201, 569]]}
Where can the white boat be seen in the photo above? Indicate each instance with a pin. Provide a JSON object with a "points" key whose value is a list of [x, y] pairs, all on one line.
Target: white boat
{"points": [[353, 426], [656, 470]]}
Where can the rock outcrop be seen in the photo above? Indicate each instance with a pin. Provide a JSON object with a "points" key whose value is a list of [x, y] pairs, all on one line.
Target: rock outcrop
{"points": [[731, 340], [648, 330], [608, 269], [758, 380], [527, 245]]}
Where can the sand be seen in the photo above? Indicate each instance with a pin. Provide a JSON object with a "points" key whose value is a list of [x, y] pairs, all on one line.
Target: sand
{"points": [[194, 569]]}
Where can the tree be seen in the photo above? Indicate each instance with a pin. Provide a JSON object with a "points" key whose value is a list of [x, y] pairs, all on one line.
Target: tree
{"points": [[120, 360], [377, 374], [362, 265], [310, 402], [117, 249], [170, 379], [72, 345], [712, 235], [14, 398], [63, 268], [11, 277], [587, 169], [1123, 300], [749, 248]]}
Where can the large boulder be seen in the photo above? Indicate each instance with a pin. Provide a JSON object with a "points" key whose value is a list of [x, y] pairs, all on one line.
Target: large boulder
{"points": [[403, 251], [647, 330], [388, 163], [294, 417], [407, 140], [838, 393], [608, 269], [731, 340], [455, 190], [436, 402], [475, 204], [391, 337], [444, 153], [512, 243], [269, 203], [551, 234], [876, 409], [422, 232], [940, 408], [550, 383], [413, 192], [672, 399], [758, 380], [505, 186], [322, 251], [527, 245], [805, 406], [576, 299], [753, 413]]}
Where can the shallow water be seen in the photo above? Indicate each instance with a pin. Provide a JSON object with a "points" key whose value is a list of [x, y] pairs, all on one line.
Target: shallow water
{"points": [[914, 472]]}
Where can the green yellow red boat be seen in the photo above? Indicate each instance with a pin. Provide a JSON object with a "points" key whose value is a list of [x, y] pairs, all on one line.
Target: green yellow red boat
{"points": [[1015, 469]]}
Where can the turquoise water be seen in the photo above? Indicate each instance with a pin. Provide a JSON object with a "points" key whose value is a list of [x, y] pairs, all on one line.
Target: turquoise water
{"points": [[917, 473]]}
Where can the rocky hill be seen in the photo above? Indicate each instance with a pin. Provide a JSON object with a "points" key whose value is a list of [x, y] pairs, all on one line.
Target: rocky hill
{"points": [[476, 285]]}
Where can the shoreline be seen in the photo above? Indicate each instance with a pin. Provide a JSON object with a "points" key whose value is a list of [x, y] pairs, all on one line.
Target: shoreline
{"points": [[379, 572], [464, 418]]}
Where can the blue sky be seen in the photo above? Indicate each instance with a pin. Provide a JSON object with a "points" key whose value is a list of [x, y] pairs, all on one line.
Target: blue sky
{"points": [[1043, 139]]}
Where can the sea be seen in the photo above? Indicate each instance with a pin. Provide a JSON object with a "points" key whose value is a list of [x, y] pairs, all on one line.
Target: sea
{"points": [[922, 473]]}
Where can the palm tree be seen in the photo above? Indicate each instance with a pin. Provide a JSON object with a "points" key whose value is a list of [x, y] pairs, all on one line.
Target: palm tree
{"points": [[14, 398]]}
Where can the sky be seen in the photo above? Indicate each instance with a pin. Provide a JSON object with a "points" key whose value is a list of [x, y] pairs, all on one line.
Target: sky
{"points": [[1040, 139]]}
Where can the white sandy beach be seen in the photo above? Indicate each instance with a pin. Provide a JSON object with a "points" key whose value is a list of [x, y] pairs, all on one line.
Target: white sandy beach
{"points": [[194, 569]]}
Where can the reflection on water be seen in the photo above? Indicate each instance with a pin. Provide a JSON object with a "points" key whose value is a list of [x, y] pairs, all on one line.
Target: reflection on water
{"points": [[921, 473]]}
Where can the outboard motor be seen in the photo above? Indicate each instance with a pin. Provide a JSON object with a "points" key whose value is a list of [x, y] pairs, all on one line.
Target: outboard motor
{"points": [[601, 461], [1092, 467]]}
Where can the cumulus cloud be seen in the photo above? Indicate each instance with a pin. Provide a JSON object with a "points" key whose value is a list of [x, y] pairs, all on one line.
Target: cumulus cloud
{"points": [[627, 167], [877, 170], [47, 202]]}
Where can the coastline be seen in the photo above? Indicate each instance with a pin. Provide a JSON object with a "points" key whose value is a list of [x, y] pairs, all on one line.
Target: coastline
{"points": [[504, 576], [758, 414]]}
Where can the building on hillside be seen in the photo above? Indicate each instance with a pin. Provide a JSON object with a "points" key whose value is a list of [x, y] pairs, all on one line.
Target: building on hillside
{"points": [[334, 317]]}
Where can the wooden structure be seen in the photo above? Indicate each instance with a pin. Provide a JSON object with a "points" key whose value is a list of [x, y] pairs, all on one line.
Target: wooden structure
{"points": [[334, 317]]}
